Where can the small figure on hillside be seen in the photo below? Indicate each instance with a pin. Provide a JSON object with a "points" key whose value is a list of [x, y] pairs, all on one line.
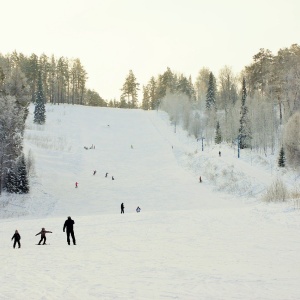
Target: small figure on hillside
{"points": [[138, 209], [69, 225], [131, 147], [122, 208], [106, 174], [76, 184], [172, 146], [200, 179], [94, 172], [17, 238], [219, 153], [112, 178], [43, 235]]}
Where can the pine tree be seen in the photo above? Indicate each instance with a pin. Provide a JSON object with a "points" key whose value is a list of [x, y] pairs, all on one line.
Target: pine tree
{"points": [[39, 111], [130, 88], [22, 178], [218, 137], [152, 92], [211, 93], [244, 130], [281, 159], [146, 98], [11, 180]]}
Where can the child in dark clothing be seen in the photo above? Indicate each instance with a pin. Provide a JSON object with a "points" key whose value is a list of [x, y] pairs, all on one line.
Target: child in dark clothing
{"points": [[17, 238], [43, 235]]}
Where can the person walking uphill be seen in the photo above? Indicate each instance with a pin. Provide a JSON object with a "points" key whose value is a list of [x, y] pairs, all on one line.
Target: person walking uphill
{"points": [[17, 238], [69, 225], [122, 208], [43, 235]]}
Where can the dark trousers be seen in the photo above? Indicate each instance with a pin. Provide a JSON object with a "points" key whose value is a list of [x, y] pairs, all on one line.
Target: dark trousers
{"points": [[71, 232], [43, 238], [122, 210], [19, 244]]}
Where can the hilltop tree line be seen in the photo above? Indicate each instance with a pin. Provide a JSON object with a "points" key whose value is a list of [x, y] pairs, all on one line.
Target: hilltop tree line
{"points": [[63, 80]]}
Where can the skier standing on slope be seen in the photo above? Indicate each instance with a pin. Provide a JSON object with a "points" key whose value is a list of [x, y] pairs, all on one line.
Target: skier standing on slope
{"points": [[43, 235], [69, 225], [76, 184], [138, 209], [17, 238], [122, 208]]}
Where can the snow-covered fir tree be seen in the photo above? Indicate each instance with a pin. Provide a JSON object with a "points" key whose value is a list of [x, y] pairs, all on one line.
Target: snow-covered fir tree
{"points": [[281, 159], [244, 130], [211, 93], [39, 111], [11, 180], [218, 137], [22, 185]]}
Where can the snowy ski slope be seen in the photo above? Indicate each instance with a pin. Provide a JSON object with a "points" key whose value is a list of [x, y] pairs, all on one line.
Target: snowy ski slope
{"points": [[214, 240]]}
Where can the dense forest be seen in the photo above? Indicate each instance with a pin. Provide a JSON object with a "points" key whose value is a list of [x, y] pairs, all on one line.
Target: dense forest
{"points": [[257, 109]]}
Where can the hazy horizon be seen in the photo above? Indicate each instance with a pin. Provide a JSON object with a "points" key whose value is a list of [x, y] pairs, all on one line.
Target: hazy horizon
{"points": [[111, 38]]}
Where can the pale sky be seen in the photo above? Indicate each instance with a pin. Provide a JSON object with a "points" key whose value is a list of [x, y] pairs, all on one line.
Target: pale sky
{"points": [[113, 36]]}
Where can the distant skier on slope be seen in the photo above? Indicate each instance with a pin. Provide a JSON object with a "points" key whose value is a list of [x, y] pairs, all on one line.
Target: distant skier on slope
{"points": [[106, 174], [69, 226], [122, 208], [112, 178], [76, 184], [43, 235], [94, 173], [138, 209], [200, 179], [17, 238]]}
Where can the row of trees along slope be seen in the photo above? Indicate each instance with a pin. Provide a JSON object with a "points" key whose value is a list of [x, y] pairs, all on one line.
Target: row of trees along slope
{"points": [[258, 108]]}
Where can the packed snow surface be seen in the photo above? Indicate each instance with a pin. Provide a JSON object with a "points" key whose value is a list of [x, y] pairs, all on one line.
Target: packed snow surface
{"points": [[191, 240]]}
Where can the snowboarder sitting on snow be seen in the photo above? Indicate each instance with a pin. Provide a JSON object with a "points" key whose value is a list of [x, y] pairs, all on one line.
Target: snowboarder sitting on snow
{"points": [[138, 209], [69, 225], [17, 238], [122, 208], [43, 235]]}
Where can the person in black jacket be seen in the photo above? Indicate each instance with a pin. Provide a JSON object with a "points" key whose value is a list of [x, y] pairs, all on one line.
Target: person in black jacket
{"points": [[122, 208], [69, 225], [43, 235], [17, 238]]}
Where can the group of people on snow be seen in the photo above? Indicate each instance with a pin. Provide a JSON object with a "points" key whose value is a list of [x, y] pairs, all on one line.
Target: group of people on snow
{"points": [[68, 226], [138, 209]]}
